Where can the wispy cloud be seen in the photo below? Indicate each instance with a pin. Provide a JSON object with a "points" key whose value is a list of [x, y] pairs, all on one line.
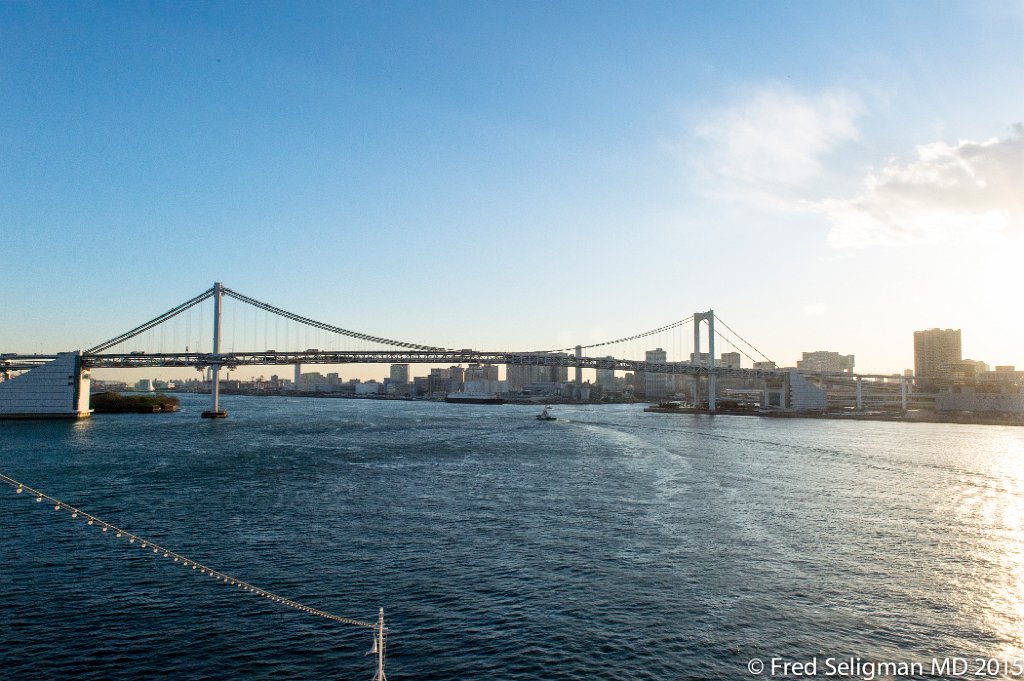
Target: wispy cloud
{"points": [[969, 190], [815, 309], [770, 150], [775, 141]]}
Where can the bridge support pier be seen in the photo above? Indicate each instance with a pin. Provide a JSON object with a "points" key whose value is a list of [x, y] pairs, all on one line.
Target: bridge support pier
{"points": [[216, 412], [708, 317], [579, 371]]}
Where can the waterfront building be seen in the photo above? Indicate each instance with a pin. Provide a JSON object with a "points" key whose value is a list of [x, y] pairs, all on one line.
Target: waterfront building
{"points": [[657, 384], [1007, 400], [966, 371], [606, 377], [370, 387], [456, 378], [560, 374], [934, 351], [826, 362], [439, 381], [730, 360], [399, 373], [311, 378], [519, 376], [481, 372]]}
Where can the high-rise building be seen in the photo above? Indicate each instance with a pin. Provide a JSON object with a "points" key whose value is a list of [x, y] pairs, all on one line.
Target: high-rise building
{"points": [[556, 374], [521, 375], [457, 376], [481, 372], [606, 377], [657, 384], [934, 351], [400, 373], [439, 381]]}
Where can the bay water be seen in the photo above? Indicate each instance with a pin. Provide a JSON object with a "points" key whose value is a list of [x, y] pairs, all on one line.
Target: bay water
{"points": [[609, 544]]}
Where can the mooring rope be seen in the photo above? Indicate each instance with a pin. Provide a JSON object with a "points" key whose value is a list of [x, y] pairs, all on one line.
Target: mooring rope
{"points": [[152, 547]]}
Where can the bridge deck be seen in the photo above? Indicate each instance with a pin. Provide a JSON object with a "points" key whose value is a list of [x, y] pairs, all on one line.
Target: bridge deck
{"points": [[272, 358]]}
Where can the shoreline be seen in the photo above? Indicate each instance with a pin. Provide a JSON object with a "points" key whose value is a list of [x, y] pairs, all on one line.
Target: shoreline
{"points": [[969, 418]]}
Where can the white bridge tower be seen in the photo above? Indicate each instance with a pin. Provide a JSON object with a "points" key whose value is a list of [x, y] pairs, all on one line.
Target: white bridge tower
{"points": [[708, 317]]}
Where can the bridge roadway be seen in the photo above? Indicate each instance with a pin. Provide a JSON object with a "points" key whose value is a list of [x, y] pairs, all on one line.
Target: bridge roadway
{"points": [[136, 360], [231, 360]]}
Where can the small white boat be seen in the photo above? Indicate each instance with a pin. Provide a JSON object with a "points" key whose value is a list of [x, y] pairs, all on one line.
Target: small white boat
{"points": [[546, 415]]}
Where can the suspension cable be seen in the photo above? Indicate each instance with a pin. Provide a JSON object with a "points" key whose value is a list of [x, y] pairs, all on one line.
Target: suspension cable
{"points": [[738, 349], [638, 336], [173, 312], [327, 327], [722, 321], [185, 561]]}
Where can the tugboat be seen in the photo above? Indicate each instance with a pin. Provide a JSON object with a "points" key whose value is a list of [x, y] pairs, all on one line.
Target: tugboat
{"points": [[546, 415]]}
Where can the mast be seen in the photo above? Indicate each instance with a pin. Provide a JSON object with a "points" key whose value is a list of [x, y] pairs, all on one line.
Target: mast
{"points": [[378, 644]]}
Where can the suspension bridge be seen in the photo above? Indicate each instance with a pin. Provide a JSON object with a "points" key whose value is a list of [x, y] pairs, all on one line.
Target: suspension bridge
{"points": [[174, 339]]}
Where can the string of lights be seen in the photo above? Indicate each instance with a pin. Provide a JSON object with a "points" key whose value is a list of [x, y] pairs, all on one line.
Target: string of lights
{"points": [[136, 541]]}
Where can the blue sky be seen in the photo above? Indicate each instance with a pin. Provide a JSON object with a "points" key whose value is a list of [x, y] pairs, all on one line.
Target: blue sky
{"points": [[828, 175]]}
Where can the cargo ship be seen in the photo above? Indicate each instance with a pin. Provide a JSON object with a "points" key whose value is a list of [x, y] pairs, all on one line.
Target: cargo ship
{"points": [[473, 398]]}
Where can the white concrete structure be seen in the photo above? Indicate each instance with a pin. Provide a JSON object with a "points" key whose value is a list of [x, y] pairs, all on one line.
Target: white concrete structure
{"points": [[58, 389], [796, 394]]}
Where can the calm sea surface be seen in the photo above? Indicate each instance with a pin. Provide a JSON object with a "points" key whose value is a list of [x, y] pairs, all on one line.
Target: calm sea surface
{"points": [[611, 544]]}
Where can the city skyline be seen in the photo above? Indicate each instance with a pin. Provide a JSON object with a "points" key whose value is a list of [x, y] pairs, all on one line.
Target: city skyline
{"points": [[826, 177]]}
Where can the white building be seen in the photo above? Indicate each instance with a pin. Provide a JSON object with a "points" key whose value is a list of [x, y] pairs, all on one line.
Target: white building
{"points": [[58, 389]]}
